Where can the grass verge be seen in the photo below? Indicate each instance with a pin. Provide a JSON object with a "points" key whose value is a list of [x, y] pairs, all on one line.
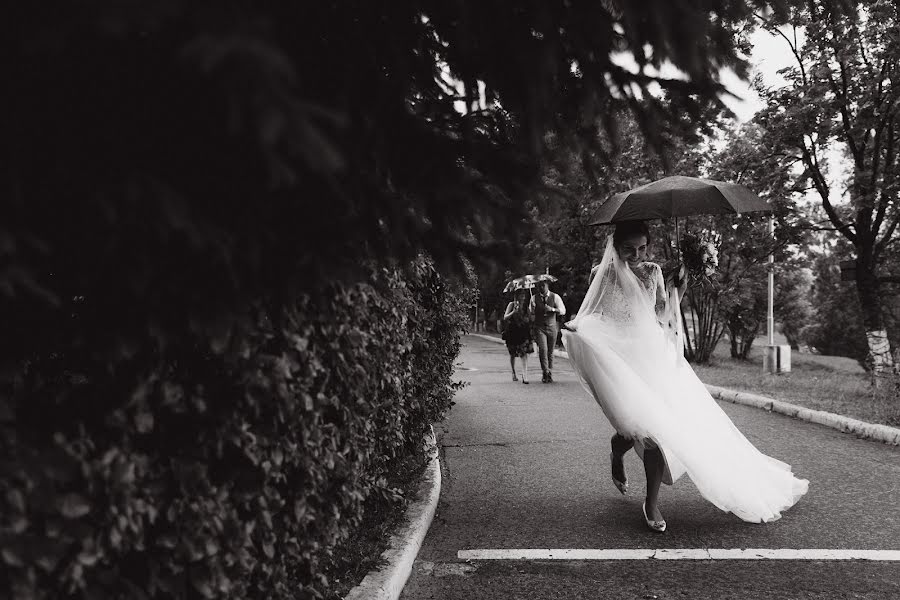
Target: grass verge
{"points": [[831, 383]]}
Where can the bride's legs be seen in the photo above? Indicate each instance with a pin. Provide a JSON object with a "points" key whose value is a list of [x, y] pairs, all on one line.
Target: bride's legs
{"points": [[512, 366], [654, 467], [620, 445]]}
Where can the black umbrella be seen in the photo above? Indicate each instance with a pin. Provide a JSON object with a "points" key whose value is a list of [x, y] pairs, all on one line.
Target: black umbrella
{"points": [[678, 196]]}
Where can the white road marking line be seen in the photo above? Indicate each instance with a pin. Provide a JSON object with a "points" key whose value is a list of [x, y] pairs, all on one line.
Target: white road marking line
{"points": [[678, 554]]}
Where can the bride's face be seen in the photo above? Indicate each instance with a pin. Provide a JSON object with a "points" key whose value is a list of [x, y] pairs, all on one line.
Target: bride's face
{"points": [[633, 250]]}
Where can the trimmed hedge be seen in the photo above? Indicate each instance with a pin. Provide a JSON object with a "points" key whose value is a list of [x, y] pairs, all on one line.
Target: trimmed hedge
{"points": [[218, 331], [224, 473]]}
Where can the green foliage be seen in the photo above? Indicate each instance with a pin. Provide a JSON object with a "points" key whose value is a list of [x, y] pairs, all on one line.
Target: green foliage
{"points": [[210, 356], [704, 293], [738, 292], [842, 93], [564, 240], [837, 328], [793, 302], [227, 473]]}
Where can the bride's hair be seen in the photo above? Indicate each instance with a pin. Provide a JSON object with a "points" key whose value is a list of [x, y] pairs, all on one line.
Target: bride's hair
{"points": [[627, 229]]}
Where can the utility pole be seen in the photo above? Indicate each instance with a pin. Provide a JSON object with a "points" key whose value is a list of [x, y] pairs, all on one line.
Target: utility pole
{"points": [[778, 357]]}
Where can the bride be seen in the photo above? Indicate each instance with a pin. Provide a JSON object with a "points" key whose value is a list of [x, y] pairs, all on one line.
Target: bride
{"points": [[625, 346]]}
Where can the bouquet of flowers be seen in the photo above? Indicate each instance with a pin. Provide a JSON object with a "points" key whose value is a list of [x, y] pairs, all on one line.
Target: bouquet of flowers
{"points": [[700, 253]]}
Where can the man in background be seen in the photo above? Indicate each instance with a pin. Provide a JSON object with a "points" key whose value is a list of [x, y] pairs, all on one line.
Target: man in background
{"points": [[546, 307]]}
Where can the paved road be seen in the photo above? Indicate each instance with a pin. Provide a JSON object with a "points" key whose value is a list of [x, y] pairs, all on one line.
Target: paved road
{"points": [[527, 467]]}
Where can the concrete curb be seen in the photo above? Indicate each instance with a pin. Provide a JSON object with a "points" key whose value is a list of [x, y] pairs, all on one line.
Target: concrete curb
{"points": [[869, 431], [387, 582]]}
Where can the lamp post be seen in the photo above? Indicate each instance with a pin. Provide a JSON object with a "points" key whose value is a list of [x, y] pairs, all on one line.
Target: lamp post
{"points": [[778, 357], [770, 316]]}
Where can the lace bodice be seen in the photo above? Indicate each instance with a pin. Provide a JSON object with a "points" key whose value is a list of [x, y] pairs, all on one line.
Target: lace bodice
{"points": [[614, 305], [651, 277]]}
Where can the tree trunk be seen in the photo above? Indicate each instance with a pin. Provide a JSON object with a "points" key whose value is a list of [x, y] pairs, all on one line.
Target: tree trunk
{"points": [[707, 330], [747, 340], [868, 289], [688, 333], [742, 336]]}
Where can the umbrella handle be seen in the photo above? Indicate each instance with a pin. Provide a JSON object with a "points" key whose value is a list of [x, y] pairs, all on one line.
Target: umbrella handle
{"points": [[677, 241]]}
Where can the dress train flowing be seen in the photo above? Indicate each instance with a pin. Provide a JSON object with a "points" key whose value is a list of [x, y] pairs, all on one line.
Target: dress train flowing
{"points": [[650, 394]]}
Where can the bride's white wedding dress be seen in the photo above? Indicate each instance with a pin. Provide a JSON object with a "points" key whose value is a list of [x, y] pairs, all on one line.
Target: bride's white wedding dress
{"points": [[626, 349]]}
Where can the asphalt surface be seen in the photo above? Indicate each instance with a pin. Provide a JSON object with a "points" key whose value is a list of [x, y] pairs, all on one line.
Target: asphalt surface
{"points": [[527, 466]]}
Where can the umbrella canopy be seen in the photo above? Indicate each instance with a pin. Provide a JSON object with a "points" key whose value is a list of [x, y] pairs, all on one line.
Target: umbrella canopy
{"points": [[678, 196], [527, 282]]}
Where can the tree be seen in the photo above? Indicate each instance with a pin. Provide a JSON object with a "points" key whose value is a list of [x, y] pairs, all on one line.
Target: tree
{"points": [[837, 327], [564, 240], [844, 90], [793, 290], [737, 294]]}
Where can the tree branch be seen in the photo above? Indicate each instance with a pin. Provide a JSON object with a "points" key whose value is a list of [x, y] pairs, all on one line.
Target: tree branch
{"points": [[846, 124], [792, 45], [876, 149], [862, 49], [841, 93], [888, 235], [887, 193], [822, 188]]}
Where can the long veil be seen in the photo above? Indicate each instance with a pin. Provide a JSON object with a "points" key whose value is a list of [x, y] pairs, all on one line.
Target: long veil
{"points": [[650, 394], [614, 285], [615, 292]]}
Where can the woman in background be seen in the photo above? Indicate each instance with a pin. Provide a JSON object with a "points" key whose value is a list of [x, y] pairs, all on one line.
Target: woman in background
{"points": [[517, 332]]}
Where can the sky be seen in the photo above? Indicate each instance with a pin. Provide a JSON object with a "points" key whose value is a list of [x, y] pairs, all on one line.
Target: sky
{"points": [[770, 53]]}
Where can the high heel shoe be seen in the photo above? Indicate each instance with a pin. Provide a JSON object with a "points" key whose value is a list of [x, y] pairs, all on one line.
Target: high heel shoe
{"points": [[515, 378], [622, 486], [657, 526]]}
